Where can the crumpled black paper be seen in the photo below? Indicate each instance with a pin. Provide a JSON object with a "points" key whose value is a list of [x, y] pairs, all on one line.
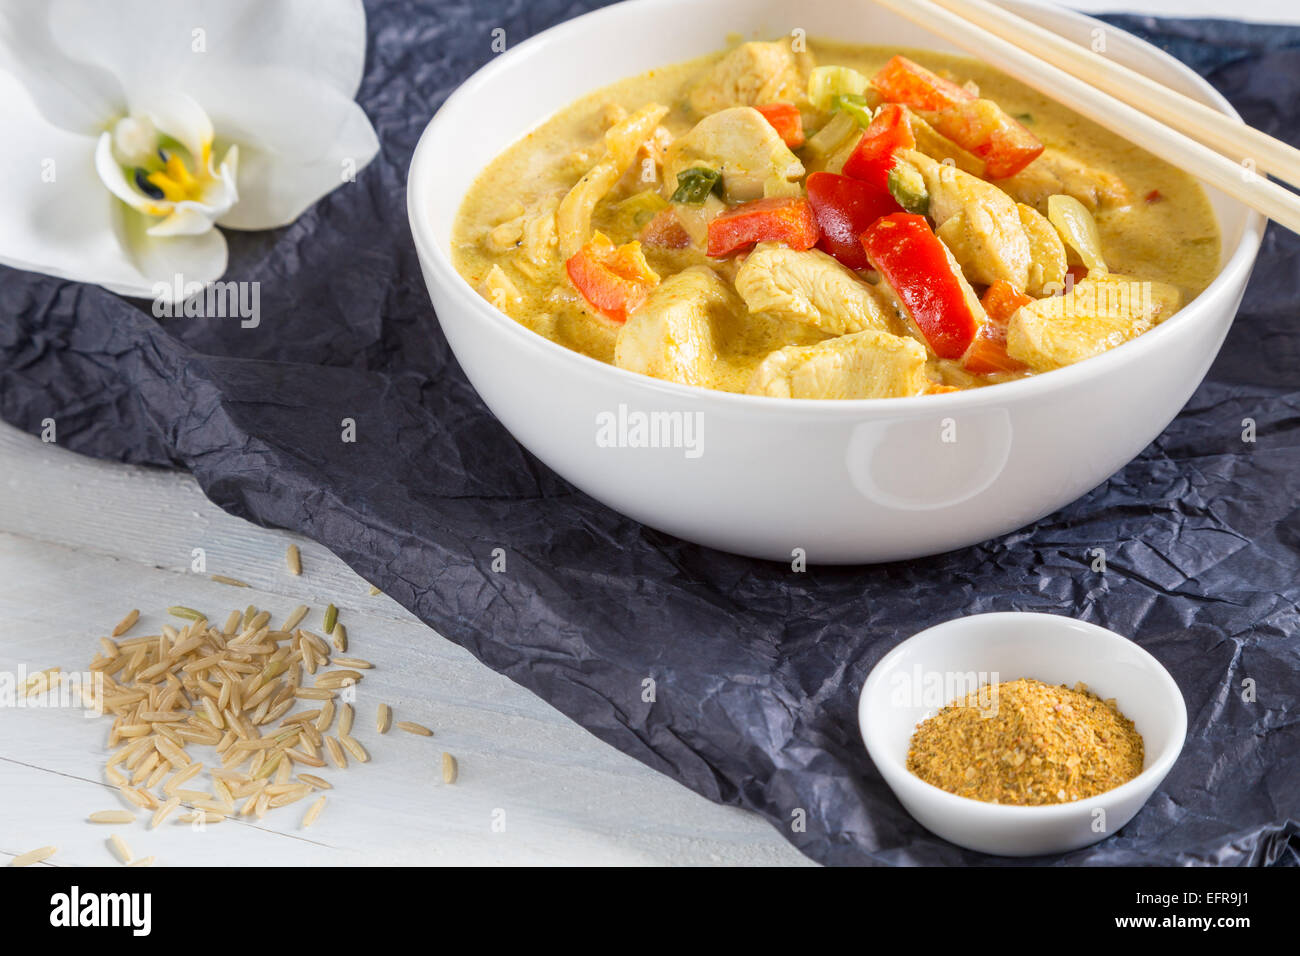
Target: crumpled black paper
{"points": [[757, 668]]}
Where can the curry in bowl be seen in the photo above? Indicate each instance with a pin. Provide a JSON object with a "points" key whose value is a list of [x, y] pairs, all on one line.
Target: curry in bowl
{"points": [[859, 223]]}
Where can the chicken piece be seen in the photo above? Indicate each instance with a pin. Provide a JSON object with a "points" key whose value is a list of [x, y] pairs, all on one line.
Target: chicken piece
{"points": [[1100, 312], [1054, 172], [622, 141], [867, 364], [941, 148], [500, 291], [810, 288], [531, 231], [673, 335], [976, 221], [751, 156], [1047, 261], [753, 74]]}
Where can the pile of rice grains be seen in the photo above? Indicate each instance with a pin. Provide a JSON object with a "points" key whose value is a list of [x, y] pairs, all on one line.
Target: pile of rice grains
{"points": [[1027, 743], [240, 688]]}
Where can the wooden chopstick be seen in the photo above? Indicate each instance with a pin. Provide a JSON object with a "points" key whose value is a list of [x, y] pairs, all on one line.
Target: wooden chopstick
{"points": [[1226, 134], [1111, 112]]}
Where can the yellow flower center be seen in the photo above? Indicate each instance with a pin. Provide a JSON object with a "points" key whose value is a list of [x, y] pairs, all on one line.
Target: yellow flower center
{"points": [[177, 182]]}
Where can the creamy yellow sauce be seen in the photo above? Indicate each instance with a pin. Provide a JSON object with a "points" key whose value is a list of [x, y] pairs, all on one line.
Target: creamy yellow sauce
{"points": [[1174, 240]]}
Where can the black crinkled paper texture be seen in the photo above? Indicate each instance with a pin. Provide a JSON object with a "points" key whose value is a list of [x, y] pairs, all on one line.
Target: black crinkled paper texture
{"points": [[757, 668]]}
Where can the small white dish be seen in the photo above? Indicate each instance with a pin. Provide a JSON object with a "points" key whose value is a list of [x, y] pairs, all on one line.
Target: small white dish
{"points": [[914, 681]]}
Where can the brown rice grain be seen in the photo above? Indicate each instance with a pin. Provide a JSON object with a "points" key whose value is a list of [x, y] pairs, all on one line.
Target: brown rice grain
{"points": [[326, 716], [384, 718], [181, 776], [354, 747], [306, 759], [278, 711], [338, 678], [34, 856], [143, 861], [120, 849], [346, 715], [157, 776], [313, 812], [295, 617], [134, 796], [331, 618], [162, 812], [450, 768], [112, 816], [127, 622], [336, 752], [144, 769], [340, 638], [319, 783], [411, 727], [233, 582], [177, 757], [293, 559], [287, 798]]}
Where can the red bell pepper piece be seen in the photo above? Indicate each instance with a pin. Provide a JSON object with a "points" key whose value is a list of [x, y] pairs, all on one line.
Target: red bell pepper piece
{"points": [[845, 208], [908, 255], [781, 219], [786, 120], [615, 281], [906, 81], [978, 126], [873, 157], [984, 128]]}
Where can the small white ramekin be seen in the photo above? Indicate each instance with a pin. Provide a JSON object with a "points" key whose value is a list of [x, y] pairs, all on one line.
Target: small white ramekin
{"points": [[911, 684]]}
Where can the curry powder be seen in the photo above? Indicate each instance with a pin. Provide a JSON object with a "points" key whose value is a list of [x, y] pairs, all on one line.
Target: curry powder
{"points": [[1027, 743]]}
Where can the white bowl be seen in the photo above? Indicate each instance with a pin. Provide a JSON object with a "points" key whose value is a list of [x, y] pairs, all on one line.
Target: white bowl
{"points": [[928, 671], [845, 481]]}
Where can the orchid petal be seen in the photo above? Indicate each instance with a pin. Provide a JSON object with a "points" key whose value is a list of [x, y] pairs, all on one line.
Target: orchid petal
{"points": [[181, 118], [135, 141], [112, 175], [171, 261], [187, 220], [73, 95], [195, 45], [298, 141]]}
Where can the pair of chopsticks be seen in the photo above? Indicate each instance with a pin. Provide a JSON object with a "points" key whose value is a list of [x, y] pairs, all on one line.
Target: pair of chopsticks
{"points": [[1218, 149]]}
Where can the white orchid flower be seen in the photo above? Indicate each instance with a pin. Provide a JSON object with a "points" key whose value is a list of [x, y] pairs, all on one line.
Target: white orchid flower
{"points": [[133, 127]]}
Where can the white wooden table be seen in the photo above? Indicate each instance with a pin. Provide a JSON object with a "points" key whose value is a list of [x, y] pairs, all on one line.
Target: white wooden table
{"points": [[82, 542]]}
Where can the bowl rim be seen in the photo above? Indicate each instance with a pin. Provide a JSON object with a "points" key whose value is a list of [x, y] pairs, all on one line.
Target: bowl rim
{"points": [[897, 775], [1235, 266]]}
